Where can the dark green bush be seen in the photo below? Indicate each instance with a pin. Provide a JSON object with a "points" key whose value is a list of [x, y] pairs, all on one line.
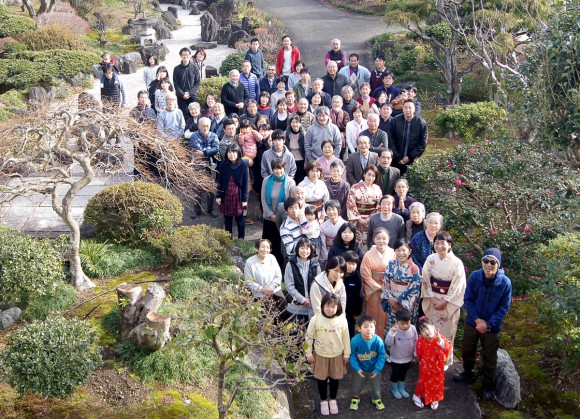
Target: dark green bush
{"points": [[118, 212], [52, 357], [211, 85], [40, 307], [51, 37], [194, 243], [475, 88], [28, 266], [405, 62], [232, 61], [12, 100], [376, 42], [471, 122], [11, 25], [25, 69]]}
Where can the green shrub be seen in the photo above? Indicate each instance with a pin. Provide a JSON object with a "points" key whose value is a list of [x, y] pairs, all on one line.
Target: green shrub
{"points": [[92, 254], [211, 85], [232, 61], [28, 68], [440, 31], [376, 42], [192, 280], [111, 322], [194, 243], [471, 122], [121, 260], [14, 46], [12, 100], [51, 37], [475, 88], [28, 266], [118, 212], [405, 62], [11, 25], [52, 357], [40, 307]]}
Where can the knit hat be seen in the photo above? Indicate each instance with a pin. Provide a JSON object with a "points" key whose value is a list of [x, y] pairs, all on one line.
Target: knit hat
{"points": [[493, 253]]}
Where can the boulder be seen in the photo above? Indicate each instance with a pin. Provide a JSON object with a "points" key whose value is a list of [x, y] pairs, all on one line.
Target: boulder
{"points": [[9, 317], [161, 32], [211, 71], [130, 29], [224, 10], [78, 80], [129, 67], [209, 28], [246, 24], [134, 57], [223, 36], [194, 11], [507, 381], [201, 5], [40, 95], [170, 20], [156, 6], [235, 37], [158, 49], [203, 45], [235, 25], [173, 11]]}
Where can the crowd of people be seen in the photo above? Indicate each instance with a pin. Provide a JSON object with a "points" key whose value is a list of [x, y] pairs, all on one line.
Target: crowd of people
{"points": [[367, 271]]}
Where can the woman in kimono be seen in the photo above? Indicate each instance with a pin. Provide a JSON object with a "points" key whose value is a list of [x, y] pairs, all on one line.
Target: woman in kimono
{"points": [[329, 228], [363, 201], [443, 287], [422, 243], [316, 190], [372, 271]]}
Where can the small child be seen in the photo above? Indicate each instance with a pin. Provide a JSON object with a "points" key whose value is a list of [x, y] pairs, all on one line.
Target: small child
{"points": [[401, 339], [329, 332], [312, 228], [433, 349], [367, 359], [353, 285], [161, 95]]}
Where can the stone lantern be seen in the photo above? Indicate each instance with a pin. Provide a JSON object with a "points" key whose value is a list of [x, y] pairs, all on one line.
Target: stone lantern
{"points": [[147, 33]]}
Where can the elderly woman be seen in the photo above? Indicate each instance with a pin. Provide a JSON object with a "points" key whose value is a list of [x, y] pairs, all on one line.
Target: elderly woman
{"points": [[417, 222], [363, 201], [316, 190], [422, 243], [372, 271], [337, 187], [348, 103], [234, 95], [443, 287], [354, 128], [264, 277], [275, 189], [327, 159], [402, 200], [191, 125]]}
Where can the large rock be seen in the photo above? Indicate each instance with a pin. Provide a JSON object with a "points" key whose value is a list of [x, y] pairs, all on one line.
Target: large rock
{"points": [[201, 5], [194, 11], [130, 29], [39, 95], [173, 11], [235, 37], [133, 57], [209, 28], [78, 80], [161, 32], [224, 10], [203, 45], [507, 381], [246, 24], [158, 49], [170, 20], [223, 36], [9, 317], [129, 67], [211, 71]]}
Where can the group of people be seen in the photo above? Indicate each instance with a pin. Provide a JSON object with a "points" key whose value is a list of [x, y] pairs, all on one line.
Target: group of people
{"points": [[358, 253]]}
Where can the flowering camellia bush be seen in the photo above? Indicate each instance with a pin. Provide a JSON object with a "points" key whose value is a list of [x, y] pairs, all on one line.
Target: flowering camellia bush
{"points": [[500, 193]]}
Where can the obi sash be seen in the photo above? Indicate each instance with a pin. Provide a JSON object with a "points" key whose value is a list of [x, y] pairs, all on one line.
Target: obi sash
{"points": [[329, 241], [317, 203], [378, 276], [397, 288], [366, 208], [440, 286]]}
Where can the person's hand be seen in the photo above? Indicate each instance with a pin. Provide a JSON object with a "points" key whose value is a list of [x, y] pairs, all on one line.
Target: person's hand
{"points": [[198, 153], [186, 95], [401, 204], [345, 359], [405, 160], [218, 201], [240, 105], [363, 221], [481, 326], [244, 204], [373, 375], [393, 302], [306, 302], [440, 305], [393, 329], [273, 218], [310, 359], [267, 292], [361, 374]]}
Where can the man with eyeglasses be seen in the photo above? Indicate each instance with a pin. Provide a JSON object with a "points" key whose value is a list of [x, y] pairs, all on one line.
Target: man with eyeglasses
{"points": [[487, 300]]}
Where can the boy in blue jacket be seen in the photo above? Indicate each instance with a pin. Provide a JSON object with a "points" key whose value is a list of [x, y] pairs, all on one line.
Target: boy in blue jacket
{"points": [[487, 299], [367, 359]]}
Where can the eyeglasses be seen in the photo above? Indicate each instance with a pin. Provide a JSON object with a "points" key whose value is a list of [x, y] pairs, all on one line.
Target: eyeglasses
{"points": [[490, 261]]}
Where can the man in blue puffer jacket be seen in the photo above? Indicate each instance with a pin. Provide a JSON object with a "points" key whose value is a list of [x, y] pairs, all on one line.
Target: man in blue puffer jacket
{"points": [[487, 300]]}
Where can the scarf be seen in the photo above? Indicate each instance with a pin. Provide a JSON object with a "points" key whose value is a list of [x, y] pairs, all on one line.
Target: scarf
{"points": [[270, 186]]}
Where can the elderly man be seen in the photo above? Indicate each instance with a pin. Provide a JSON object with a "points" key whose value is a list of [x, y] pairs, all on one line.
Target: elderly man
{"points": [[487, 301], [336, 54], [408, 137], [379, 138], [234, 95], [186, 80], [388, 175], [355, 73], [323, 129], [204, 144], [317, 86], [333, 82], [170, 122], [359, 161], [340, 118], [306, 117]]}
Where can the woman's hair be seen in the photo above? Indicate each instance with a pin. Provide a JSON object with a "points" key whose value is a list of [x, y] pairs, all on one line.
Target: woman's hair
{"points": [[434, 214], [260, 241], [355, 108], [351, 256], [402, 180], [338, 239], [278, 164], [312, 165], [316, 94], [443, 235], [202, 51], [372, 168], [295, 118], [423, 321], [265, 94], [337, 163], [304, 241], [212, 95], [345, 89], [380, 230], [403, 315], [155, 60], [234, 147], [419, 205], [299, 62], [194, 105], [332, 203], [310, 210], [335, 262], [327, 141], [331, 298], [402, 242], [160, 69], [165, 80]]}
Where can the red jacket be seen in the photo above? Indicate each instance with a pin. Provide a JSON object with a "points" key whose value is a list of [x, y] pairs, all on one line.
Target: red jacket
{"points": [[280, 59]]}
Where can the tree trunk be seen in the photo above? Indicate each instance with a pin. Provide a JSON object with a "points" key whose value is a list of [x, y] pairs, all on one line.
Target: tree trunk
{"points": [[30, 8], [46, 6]]}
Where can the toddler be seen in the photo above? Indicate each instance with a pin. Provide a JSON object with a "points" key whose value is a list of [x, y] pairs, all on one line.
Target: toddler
{"points": [[312, 228]]}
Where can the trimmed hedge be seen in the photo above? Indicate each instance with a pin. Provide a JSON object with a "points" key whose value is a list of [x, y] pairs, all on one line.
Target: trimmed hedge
{"points": [[22, 70], [12, 100], [471, 122], [51, 37], [211, 85], [11, 25], [232, 61]]}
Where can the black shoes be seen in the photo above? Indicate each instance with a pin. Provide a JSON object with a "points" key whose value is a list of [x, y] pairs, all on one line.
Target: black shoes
{"points": [[464, 378]]}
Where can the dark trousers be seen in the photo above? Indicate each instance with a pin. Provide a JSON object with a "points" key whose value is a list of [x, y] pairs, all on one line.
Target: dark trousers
{"points": [[270, 231], [300, 173], [323, 388], [228, 222], [489, 345], [182, 104], [351, 324], [399, 371]]}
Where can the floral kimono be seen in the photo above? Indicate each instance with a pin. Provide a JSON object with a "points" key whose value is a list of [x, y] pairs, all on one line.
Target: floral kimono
{"points": [[443, 280], [372, 271], [362, 202], [328, 232], [404, 283], [432, 357]]}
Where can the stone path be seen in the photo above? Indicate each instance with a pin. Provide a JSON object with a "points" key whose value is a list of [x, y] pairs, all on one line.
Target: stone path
{"points": [[34, 214]]}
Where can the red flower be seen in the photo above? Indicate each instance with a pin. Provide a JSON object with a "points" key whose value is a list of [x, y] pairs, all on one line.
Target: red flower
{"points": [[449, 164], [472, 150], [527, 229], [493, 233], [501, 201], [549, 193], [458, 182]]}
